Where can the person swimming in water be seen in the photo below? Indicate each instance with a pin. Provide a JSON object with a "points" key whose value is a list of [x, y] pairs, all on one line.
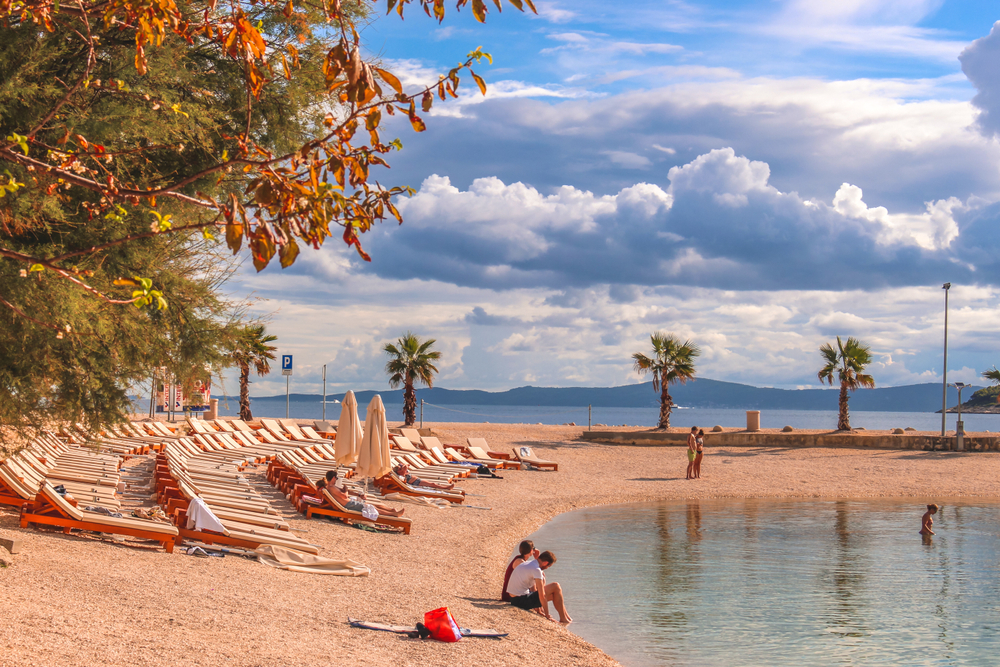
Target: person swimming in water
{"points": [[927, 522]]}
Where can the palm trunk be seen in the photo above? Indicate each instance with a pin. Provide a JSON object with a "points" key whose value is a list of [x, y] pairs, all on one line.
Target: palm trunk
{"points": [[844, 421], [245, 413], [409, 404], [666, 404]]}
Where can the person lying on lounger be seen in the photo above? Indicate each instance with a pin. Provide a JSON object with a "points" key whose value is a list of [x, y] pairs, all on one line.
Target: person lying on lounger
{"points": [[403, 471], [354, 504]]}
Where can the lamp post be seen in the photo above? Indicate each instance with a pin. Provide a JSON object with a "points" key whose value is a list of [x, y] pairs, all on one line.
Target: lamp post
{"points": [[324, 392], [944, 398], [959, 425]]}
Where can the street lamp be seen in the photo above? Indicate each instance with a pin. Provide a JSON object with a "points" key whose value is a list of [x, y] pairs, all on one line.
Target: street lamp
{"points": [[959, 426], [944, 398]]}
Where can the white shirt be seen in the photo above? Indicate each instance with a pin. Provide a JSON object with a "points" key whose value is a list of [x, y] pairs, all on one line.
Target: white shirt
{"points": [[523, 578]]}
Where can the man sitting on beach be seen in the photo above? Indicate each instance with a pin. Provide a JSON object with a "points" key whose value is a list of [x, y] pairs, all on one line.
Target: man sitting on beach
{"points": [[526, 551], [528, 589], [403, 471], [353, 504]]}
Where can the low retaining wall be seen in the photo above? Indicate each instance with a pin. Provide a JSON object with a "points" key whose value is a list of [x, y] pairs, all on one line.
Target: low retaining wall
{"points": [[751, 439]]}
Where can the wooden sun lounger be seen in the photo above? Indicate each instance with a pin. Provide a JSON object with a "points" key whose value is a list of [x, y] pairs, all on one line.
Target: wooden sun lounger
{"points": [[331, 507], [485, 447], [51, 509], [392, 483], [525, 455]]}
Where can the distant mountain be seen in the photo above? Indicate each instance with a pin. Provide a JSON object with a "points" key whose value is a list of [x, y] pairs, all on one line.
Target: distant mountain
{"points": [[702, 393]]}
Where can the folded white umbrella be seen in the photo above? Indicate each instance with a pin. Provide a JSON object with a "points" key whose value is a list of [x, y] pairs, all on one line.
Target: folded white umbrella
{"points": [[348, 442], [373, 458]]}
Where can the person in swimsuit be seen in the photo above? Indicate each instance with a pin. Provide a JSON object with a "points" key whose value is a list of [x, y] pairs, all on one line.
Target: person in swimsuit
{"points": [[927, 521], [354, 504], [699, 442], [526, 551], [692, 451], [403, 471]]}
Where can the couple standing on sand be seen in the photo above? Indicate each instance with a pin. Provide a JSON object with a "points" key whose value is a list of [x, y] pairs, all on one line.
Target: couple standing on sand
{"points": [[524, 583], [696, 449]]}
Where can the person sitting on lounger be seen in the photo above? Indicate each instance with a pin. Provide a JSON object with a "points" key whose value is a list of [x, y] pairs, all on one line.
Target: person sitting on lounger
{"points": [[403, 471], [526, 551], [529, 591], [353, 504]]}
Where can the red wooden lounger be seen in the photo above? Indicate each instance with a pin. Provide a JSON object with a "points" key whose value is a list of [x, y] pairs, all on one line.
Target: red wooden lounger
{"points": [[51, 509], [393, 484], [331, 507]]}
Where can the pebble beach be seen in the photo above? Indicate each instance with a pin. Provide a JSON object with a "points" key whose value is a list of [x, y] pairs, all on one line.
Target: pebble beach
{"points": [[90, 601]]}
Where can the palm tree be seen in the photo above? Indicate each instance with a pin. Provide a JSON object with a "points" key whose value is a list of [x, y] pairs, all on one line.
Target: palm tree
{"points": [[672, 361], [250, 348], [849, 361], [410, 360], [993, 375]]}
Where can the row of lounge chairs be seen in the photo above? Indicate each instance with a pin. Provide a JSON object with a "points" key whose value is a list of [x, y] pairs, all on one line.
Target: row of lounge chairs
{"points": [[204, 470], [42, 477]]}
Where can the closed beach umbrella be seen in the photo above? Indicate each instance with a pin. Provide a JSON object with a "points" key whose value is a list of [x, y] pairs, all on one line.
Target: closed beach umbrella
{"points": [[373, 458], [348, 442]]}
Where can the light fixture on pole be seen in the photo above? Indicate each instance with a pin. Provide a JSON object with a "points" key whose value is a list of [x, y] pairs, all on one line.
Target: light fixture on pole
{"points": [[959, 425], [944, 399]]}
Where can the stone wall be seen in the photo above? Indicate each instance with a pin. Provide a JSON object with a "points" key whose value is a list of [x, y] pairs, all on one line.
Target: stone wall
{"points": [[750, 439]]}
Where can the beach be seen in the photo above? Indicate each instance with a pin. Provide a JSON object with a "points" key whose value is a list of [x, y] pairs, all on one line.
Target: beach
{"points": [[86, 601]]}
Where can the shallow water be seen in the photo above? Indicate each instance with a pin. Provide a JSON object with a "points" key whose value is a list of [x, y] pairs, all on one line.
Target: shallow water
{"points": [[764, 582]]}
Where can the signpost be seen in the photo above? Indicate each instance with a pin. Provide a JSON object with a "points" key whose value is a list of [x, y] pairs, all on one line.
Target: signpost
{"points": [[286, 370]]}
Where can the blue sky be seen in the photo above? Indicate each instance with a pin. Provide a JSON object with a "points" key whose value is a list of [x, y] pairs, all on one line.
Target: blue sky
{"points": [[757, 176]]}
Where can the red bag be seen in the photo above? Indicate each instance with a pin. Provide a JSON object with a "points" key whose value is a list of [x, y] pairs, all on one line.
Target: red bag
{"points": [[442, 626]]}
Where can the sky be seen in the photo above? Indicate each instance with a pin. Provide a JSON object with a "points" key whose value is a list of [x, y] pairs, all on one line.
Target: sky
{"points": [[757, 177]]}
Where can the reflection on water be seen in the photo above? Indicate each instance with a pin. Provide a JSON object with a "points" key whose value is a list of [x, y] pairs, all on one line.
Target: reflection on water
{"points": [[761, 582]]}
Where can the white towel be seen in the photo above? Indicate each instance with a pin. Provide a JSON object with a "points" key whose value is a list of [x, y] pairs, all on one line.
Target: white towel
{"points": [[200, 517]]}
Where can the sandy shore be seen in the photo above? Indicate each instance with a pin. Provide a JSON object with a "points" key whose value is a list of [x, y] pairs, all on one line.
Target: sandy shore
{"points": [[81, 601]]}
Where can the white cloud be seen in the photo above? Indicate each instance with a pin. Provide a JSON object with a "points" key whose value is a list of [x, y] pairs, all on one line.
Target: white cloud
{"points": [[874, 26], [553, 12], [933, 230], [629, 160], [979, 62]]}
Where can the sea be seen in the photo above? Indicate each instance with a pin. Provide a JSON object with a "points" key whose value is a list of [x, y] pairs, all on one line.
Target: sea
{"points": [[782, 583], [275, 407]]}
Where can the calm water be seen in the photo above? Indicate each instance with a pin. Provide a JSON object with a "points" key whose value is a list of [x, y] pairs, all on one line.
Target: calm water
{"points": [[506, 414], [762, 582]]}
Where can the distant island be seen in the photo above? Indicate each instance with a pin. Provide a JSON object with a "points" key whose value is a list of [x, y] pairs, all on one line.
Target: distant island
{"points": [[702, 393], [982, 402]]}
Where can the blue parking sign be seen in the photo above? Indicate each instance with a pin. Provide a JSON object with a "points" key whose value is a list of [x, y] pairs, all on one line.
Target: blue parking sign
{"points": [[286, 364]]}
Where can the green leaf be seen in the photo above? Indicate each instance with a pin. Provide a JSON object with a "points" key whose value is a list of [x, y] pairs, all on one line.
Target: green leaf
{"points": [[20, 140]]}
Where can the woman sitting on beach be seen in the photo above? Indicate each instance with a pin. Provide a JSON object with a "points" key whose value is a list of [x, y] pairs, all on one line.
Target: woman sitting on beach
{"points": [[927, 521], [526, 551], [403, 471]]}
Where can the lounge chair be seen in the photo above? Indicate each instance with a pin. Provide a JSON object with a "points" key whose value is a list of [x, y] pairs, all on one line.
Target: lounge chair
{"points": [[525, 455], [51, 509], [331, 507], [393, 483], [485, 447]]}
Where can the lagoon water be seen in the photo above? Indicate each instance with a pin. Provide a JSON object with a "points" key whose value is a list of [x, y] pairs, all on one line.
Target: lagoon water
{"points": [[770, 582], [647, 417]]}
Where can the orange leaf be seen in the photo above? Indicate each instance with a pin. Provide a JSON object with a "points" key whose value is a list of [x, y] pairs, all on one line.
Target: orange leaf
{"points": [[479, 81], [389, 79]]}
